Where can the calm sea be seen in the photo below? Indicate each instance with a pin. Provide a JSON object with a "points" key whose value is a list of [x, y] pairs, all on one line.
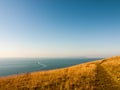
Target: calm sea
{"points": [[20, 65]]}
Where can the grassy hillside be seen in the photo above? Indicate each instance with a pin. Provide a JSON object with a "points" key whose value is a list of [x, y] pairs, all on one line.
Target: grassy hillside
{"points": [[97, 75]]}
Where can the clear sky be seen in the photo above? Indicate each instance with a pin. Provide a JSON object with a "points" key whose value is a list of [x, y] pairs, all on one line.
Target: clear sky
{"points": [[59, 28]]}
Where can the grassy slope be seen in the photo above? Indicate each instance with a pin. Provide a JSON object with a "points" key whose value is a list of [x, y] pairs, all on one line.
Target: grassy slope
{"points": [[98, 75]]}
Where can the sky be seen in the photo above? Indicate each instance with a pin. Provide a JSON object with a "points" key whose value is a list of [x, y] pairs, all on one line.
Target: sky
{"points": [[59, 28]]}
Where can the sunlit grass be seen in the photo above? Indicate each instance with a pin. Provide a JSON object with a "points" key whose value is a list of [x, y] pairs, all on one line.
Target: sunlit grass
{"points": [[97, 75]]}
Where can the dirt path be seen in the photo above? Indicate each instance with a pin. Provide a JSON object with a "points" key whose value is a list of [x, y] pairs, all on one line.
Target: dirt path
{"points": [[103, 80]]}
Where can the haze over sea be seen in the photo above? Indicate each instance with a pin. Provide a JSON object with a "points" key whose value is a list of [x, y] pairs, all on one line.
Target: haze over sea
{"points": [[56, 29], [11, 66]]}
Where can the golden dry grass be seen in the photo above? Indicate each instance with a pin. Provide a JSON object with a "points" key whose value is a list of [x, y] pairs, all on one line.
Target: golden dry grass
{"points": [[97, 75]]}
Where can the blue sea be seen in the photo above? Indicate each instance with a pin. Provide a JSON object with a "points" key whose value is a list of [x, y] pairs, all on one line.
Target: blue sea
{"points": [[11, 66]]}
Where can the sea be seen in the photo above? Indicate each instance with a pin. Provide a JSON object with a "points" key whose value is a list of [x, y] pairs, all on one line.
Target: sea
{"points": [[13, 66]]}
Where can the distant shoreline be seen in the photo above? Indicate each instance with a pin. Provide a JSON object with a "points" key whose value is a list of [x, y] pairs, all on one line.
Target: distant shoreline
{"points": [[18, 66]]}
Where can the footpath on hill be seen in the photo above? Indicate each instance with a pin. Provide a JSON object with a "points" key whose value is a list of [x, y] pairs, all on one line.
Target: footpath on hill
{"points": [[103, 80]]}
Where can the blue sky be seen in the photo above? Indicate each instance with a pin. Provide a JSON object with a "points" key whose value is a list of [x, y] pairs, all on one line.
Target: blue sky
{"points": [[59, 28]]}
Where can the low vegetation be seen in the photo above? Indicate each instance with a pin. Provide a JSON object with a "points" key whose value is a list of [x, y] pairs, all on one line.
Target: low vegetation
{"points": [[97, 75]]}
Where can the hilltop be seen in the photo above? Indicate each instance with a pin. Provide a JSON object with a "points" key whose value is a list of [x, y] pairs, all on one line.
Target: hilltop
{"points": [[97, 75]]}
